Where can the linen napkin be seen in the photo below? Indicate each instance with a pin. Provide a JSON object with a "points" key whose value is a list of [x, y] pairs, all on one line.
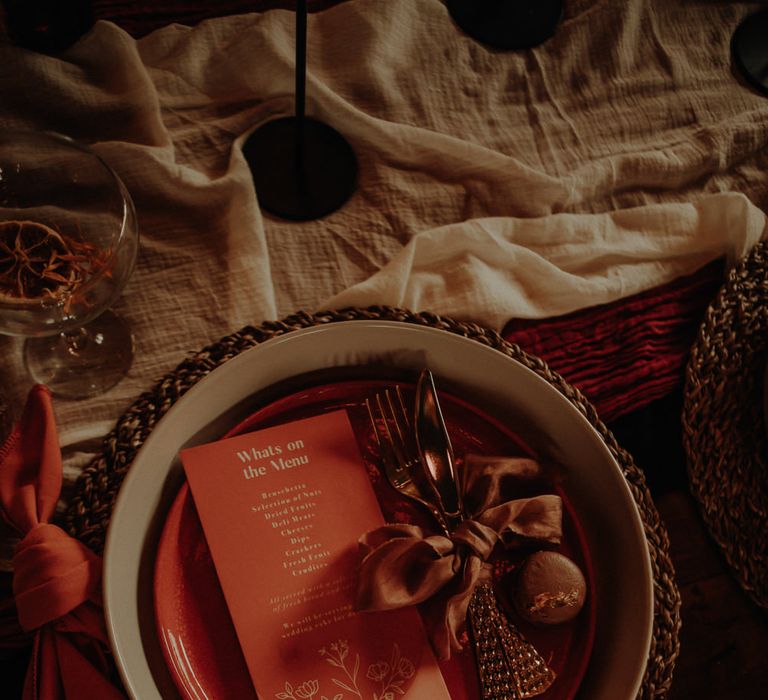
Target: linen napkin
{"points": [[56, 577], [548, 266]]}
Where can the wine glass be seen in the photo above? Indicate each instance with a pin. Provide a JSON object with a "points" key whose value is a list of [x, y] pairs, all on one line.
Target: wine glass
{"points": [[68, 244]]}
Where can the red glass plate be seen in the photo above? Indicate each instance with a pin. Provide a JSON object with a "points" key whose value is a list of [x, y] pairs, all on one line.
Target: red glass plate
{"points": [[195, 629]]}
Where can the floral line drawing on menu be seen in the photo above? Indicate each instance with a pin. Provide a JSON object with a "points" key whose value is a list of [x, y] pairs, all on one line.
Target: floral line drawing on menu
{"points": [[392, 675], [389, 675], [337, 656], [306, 691]]}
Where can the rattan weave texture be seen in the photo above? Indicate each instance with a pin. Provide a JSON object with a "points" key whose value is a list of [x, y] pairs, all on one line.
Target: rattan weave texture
{"points": [[724, 427], [90, 510]]}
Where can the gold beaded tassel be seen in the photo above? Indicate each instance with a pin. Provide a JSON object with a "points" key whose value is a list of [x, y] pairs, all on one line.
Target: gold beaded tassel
{"points": [[509, 666]]}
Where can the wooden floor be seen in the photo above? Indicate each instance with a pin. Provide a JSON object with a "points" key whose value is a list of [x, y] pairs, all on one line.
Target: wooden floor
{"points": [[724, 637]]}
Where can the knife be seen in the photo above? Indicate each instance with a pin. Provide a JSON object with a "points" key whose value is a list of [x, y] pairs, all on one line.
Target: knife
{"points": [[435, 449]]}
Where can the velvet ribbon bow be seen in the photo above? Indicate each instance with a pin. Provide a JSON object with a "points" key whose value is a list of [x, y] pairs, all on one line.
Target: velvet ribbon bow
{"points": [[56, 578], [405, 565]]}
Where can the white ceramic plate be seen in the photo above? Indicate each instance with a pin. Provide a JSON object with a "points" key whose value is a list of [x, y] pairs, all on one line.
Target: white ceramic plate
{"points": [[545, 419]]}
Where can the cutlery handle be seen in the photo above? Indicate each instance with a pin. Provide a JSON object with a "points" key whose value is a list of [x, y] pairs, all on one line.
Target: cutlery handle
{"points": [[435, 449]]}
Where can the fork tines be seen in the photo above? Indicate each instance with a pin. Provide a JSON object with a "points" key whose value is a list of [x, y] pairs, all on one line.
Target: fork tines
{"points": [[392, 426]]}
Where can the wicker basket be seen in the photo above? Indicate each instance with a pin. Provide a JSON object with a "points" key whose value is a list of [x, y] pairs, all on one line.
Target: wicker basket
{"points": [[724, 423]]}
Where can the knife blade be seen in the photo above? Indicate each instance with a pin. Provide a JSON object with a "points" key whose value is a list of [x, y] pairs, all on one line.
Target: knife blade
{"points": [[435, 449]]}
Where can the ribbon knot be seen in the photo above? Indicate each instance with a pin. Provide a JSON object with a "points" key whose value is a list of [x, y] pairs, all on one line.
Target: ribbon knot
{"points": [[403, 564], [478, 538], [53, 574]]}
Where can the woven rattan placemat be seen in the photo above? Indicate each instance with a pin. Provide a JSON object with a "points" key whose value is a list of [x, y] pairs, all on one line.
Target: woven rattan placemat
{"points": [[90, 509], [724, 427]]}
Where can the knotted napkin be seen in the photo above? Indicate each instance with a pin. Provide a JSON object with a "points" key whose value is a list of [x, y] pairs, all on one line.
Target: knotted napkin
{"points": [[403, 564], [56, 577]]}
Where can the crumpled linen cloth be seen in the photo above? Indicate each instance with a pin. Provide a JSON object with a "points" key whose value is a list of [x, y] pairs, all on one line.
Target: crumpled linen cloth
{"points": [[617, 156], [548, 266]]}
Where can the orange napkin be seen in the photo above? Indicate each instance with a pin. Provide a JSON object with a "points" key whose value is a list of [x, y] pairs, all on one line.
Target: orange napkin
{"points": [[56, 577]]}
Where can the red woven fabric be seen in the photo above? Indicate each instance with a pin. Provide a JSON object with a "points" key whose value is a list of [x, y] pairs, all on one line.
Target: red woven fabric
{"points": [[624, 355]]}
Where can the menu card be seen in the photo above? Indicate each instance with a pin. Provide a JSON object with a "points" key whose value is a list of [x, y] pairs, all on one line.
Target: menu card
{"points": [[282, 510]]}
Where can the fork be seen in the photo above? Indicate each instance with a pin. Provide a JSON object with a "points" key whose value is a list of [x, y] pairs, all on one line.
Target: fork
{"points": [[397, 453], [510, 668]]}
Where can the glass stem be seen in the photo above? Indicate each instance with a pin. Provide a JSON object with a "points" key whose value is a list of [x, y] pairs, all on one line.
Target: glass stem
{"points": [[76, 340]]}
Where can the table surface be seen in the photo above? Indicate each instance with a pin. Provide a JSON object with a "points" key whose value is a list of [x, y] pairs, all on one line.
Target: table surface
{"points": [[724, 635]]}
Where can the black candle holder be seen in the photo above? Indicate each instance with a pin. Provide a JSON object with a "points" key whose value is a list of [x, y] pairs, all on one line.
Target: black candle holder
{"points": [[302, 168], [507, 24], [749, 48], [47, 26]]}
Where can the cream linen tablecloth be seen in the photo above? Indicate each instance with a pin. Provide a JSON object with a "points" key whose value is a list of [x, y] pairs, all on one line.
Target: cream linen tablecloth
{"points": [[619, 155]]}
